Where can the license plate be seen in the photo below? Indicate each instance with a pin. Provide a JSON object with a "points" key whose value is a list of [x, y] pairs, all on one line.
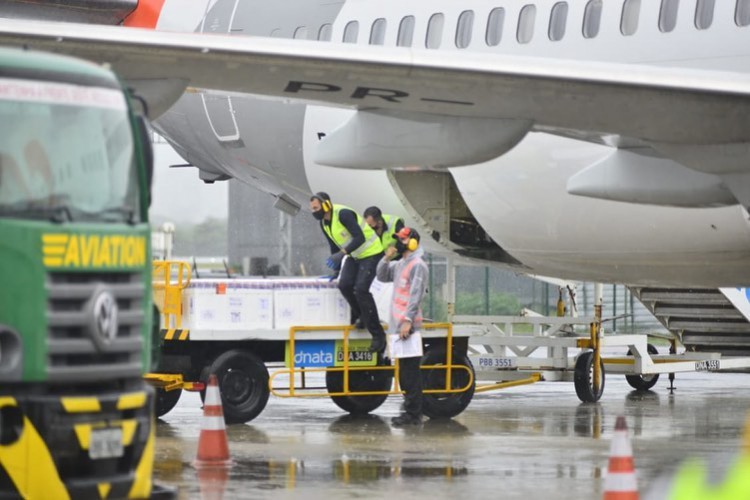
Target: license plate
{"points": [[492, 362], [105, 443]]}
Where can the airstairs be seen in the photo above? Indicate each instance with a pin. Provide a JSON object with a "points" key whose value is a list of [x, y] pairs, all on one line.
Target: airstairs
{"points": [[702, 319]]}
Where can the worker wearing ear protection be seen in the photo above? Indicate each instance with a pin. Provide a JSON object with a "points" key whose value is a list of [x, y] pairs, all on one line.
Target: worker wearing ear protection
{"points": [[385, 225], [348, 235], [409, 277]]}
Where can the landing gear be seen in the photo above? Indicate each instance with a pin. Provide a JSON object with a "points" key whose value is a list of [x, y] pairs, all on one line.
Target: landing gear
{"points": [[583, 378]]}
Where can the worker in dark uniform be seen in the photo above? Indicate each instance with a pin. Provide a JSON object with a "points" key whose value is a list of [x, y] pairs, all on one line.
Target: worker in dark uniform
{"points": [[409, 277], [348, 235], [385, 225]]}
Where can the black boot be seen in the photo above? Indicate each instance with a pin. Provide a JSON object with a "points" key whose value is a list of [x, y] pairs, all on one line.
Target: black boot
{"points": [[378, 344], [406, 420]]}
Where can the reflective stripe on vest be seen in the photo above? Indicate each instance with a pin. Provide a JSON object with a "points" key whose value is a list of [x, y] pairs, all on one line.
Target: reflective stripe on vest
{"points": [[386, 239], [401, 295], [340, 235]]}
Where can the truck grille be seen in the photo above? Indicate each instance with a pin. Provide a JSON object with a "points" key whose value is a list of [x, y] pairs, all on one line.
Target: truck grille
{"points": [[74, 354]]}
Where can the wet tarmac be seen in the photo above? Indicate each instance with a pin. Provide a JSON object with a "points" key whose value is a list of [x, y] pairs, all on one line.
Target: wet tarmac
{"points": [[529, 442]]}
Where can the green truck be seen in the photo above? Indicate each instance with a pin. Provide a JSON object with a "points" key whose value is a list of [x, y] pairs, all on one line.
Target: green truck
{"points": [[76, 418]]}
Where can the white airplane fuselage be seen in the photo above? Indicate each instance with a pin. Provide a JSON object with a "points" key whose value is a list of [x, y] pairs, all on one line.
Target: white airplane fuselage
{"points": [[520, 199]]}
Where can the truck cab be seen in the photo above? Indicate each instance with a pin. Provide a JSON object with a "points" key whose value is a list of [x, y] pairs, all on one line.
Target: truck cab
{"points": [[76, 419]]}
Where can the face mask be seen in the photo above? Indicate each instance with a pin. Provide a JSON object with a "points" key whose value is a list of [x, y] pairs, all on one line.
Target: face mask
{"points": [[400, 247], [318, 214]]}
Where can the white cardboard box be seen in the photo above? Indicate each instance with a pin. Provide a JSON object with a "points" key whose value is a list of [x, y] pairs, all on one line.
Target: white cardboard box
{"points": [[248, 304]]}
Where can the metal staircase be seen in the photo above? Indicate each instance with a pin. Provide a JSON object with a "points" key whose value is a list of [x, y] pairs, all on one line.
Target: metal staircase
{"points": [[704, 320]]}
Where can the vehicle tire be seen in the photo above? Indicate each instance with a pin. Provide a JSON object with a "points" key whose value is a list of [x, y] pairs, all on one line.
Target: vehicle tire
{"points": [[243, 384], [360, 380], [583, 378], [166, 400], [441, 405], [643, 382]]}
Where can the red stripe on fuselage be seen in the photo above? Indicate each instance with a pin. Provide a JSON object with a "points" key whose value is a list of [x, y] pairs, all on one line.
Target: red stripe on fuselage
{"points": [[145, 15]]}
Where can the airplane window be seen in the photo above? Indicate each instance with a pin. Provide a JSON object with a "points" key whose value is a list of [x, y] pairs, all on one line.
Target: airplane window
{"points": [[668, 15], [276, 33], [557, 20], [526, 23], [351, 32], [704, 14], [592, 18], [464, 28], [405, 32], [631, 9], [434, 31], [300, 33], [377, 33], [324, 34], [742, 13], [495, 26]]}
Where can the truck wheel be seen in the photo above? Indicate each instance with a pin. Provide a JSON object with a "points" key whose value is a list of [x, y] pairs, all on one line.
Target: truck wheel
{"points": [[243, 384], [166, 400], [360, 380], [643, 382], [442, 405], [583, 378]]}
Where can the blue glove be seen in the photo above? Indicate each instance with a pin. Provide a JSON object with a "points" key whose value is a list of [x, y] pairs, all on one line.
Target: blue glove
{"points": [[334, 261]]}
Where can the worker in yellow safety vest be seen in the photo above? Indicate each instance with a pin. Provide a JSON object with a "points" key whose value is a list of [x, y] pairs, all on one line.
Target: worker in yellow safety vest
{"points": [[385, 225], [348, 235]]}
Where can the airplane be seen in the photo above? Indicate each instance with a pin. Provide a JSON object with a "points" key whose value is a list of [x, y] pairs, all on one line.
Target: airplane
{"points": [[581, 139]]}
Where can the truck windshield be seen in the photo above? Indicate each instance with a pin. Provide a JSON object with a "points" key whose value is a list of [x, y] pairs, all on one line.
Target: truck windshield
{"points": [[66, 153]]}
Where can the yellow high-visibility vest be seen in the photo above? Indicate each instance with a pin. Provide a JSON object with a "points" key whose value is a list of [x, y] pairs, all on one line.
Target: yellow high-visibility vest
{"points": [[340, 235]]}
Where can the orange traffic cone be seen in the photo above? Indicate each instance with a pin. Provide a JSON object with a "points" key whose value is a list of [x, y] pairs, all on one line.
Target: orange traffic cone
{"points": [[213, 450], [620, 483]]}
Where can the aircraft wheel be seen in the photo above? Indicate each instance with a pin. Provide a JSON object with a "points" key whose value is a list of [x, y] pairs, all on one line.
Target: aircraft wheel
{"points": [[360, 380], [643, 382], [583, 378], [442, 405], [243, 384], [166, 400]]}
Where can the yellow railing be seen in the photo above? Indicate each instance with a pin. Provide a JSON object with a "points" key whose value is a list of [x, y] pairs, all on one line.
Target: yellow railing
{"points": [[293, 370], [168, 290]]}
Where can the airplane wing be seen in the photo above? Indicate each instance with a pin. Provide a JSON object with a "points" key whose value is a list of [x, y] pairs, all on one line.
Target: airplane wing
{"points": [[681, 113]]}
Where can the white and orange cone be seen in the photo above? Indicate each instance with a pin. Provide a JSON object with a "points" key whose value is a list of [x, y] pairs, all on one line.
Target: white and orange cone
{"points": [[620, 483], [213, 450]]}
